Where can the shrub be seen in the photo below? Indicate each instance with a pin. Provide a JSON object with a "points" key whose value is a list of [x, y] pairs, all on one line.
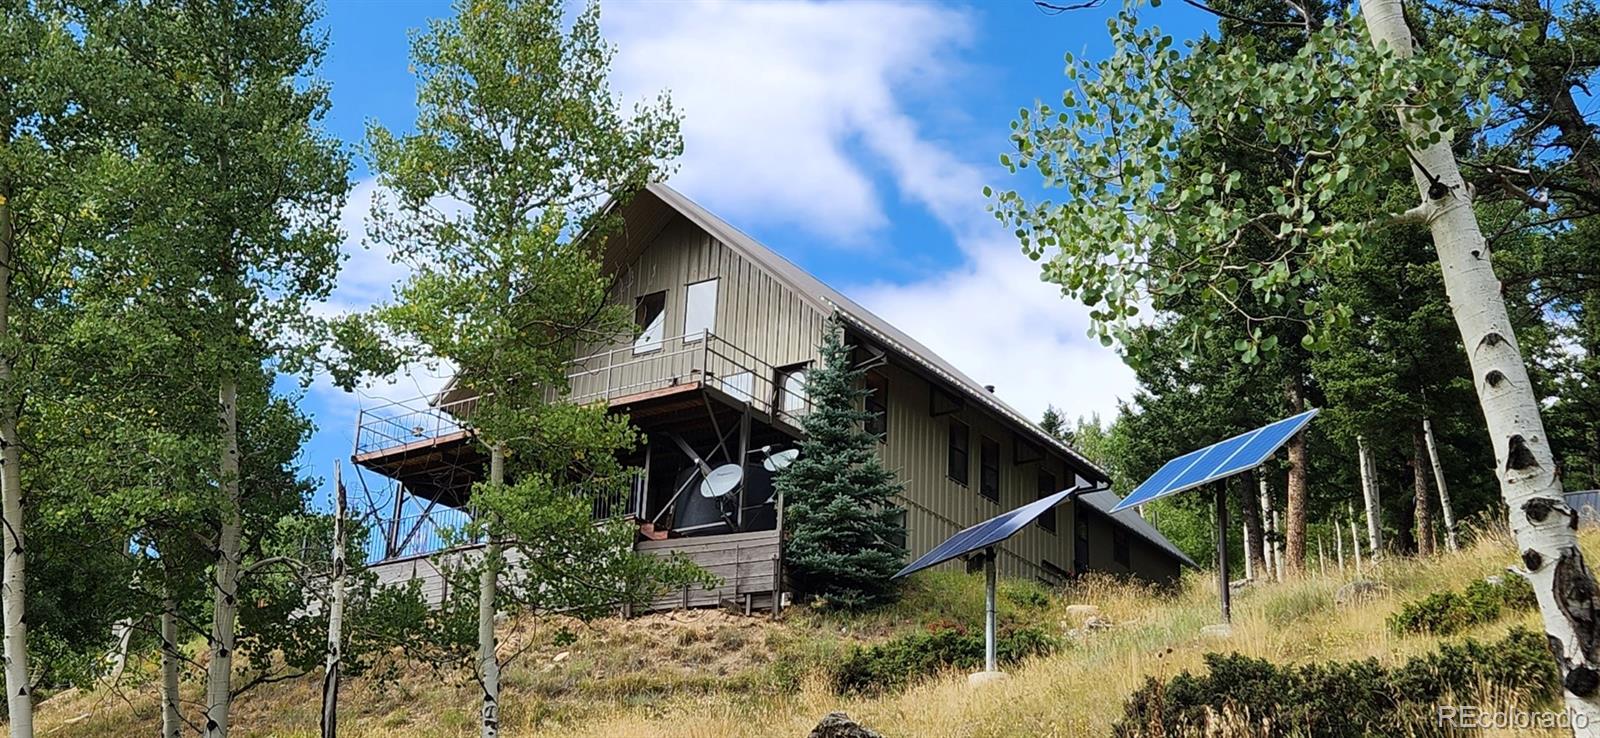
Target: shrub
{"points": [[897, 663], [1443, 613], [1025, 594], [1341, 699]]}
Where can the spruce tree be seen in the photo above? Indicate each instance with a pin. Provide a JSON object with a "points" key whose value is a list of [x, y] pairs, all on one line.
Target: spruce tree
{"points": [[843, 528]]}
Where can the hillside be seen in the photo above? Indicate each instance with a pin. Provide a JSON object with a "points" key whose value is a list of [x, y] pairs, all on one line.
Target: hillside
{"points": [[704, 673]]}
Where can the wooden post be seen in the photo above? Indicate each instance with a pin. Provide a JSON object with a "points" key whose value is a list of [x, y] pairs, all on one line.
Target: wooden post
{"points": [[1444, 491]]}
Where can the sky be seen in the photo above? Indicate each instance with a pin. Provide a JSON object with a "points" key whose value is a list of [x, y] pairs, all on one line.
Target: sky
{"points": [[853, 138]]}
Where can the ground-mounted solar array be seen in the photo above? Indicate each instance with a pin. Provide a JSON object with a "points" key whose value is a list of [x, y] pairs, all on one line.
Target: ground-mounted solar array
{"points": [[1237, 454], [988, 532]]}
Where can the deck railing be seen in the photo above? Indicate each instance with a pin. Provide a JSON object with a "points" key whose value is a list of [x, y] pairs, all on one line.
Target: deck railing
{"points": [[605, 376]]}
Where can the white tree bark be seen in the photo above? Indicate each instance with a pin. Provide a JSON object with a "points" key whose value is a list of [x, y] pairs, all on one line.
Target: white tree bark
{"points": [[1369, 496], [488, 662], [1542, 523], [14, 584], [336, 584], [1444, 491], [225, 575], [1278, 557], [171, 721]]}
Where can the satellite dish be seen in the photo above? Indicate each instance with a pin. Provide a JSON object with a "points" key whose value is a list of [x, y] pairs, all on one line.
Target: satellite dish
{"points": [[779, 460], [721, 481]]}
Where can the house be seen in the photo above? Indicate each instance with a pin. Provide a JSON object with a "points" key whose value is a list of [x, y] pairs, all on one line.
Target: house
{"points": [[715, 381]]}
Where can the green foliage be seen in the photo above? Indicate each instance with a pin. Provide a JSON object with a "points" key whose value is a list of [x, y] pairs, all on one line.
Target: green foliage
{"points": [[1339, 699], [1444, 613], [891, 666], [841, 524]]}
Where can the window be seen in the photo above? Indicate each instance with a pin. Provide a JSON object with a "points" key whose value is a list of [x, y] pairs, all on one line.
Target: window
{"points": [[651, 317], [960, 447], [700, 310], [792, 398], [900, 535], [1119, 544], [989, 469], [877, 406], [1047, 487]]}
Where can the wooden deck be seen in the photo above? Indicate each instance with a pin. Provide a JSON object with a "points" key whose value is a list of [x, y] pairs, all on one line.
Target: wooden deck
{"points": [[746, 563]]}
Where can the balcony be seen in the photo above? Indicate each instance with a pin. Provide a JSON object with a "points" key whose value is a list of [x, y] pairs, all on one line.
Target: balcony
{"points": [[617, 376]]}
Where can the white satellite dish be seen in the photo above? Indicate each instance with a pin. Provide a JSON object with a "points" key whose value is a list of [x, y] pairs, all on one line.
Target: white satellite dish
{"points": [[779, 460], [721, 481]]}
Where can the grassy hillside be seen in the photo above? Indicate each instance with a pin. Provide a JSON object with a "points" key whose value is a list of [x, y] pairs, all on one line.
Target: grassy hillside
{"points": [[705, 673]]}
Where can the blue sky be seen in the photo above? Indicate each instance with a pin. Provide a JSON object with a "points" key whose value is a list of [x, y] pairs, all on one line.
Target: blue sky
{"points": [[854, 138]]}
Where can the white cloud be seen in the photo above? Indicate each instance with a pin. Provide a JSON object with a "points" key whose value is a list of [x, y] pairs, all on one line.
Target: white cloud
{"points": [[776, 94], [788, 109]]}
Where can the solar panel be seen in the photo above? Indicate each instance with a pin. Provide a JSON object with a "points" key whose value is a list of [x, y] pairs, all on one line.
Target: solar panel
{"points": [[988, 532], [1240, 453]]}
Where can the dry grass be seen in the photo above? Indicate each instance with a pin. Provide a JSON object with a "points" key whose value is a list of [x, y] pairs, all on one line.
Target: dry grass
{"points": [[709, 674]]}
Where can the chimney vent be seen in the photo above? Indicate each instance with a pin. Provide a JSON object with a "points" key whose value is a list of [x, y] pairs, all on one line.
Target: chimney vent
{"points": [[989, 387]]}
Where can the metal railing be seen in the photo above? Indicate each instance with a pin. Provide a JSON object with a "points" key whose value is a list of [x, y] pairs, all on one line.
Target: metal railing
{"points": [[400, 422], [602, 377]]}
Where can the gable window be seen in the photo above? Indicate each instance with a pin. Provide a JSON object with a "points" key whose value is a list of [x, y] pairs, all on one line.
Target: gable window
{"points": [[960, 461], [650, 314], [989, 469], [700, 310], [1119, 545], [792, 399], [877, 406], [1047, 487]]}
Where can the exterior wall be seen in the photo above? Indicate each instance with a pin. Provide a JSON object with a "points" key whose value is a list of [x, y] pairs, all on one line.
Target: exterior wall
{"points": [[1144, 560], [760, 323], [937, 506]]}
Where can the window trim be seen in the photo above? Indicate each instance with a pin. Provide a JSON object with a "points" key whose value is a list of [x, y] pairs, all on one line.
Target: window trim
{"points": [[1045, 491], [965, 451], [879, 396], [984, 444], [781, 393], [661, 318]]}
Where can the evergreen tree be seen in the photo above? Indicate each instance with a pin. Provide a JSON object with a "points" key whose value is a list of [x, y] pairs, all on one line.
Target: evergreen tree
{"points": [[843, 528]]}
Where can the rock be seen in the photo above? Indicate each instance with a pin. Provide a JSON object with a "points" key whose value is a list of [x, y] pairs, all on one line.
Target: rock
{"points": [[980, 678], [560, 657], [1494, 579], [1095, 622], [839, 725], [1080, 613], [1219, 630], [1358, 592]]}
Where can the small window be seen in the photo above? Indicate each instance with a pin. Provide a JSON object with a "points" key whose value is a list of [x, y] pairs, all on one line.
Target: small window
{"points": [[1047, 487], [651, 317], [793, 401], [960, 462], [901, 529], [877, 406], [989, 469], [700, 310], [1119, 545]]}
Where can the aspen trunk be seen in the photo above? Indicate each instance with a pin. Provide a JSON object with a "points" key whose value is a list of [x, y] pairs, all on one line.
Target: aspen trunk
{"points": [[336, 583], [1254, 550], [1369, 497], [225, 583], [1444, 491], [1338, 545], [171, 721], [1294, 551], [1542, 523], [14, 583], [1422, 512], [488, 663], [1269, 558], [1278, 555]]}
